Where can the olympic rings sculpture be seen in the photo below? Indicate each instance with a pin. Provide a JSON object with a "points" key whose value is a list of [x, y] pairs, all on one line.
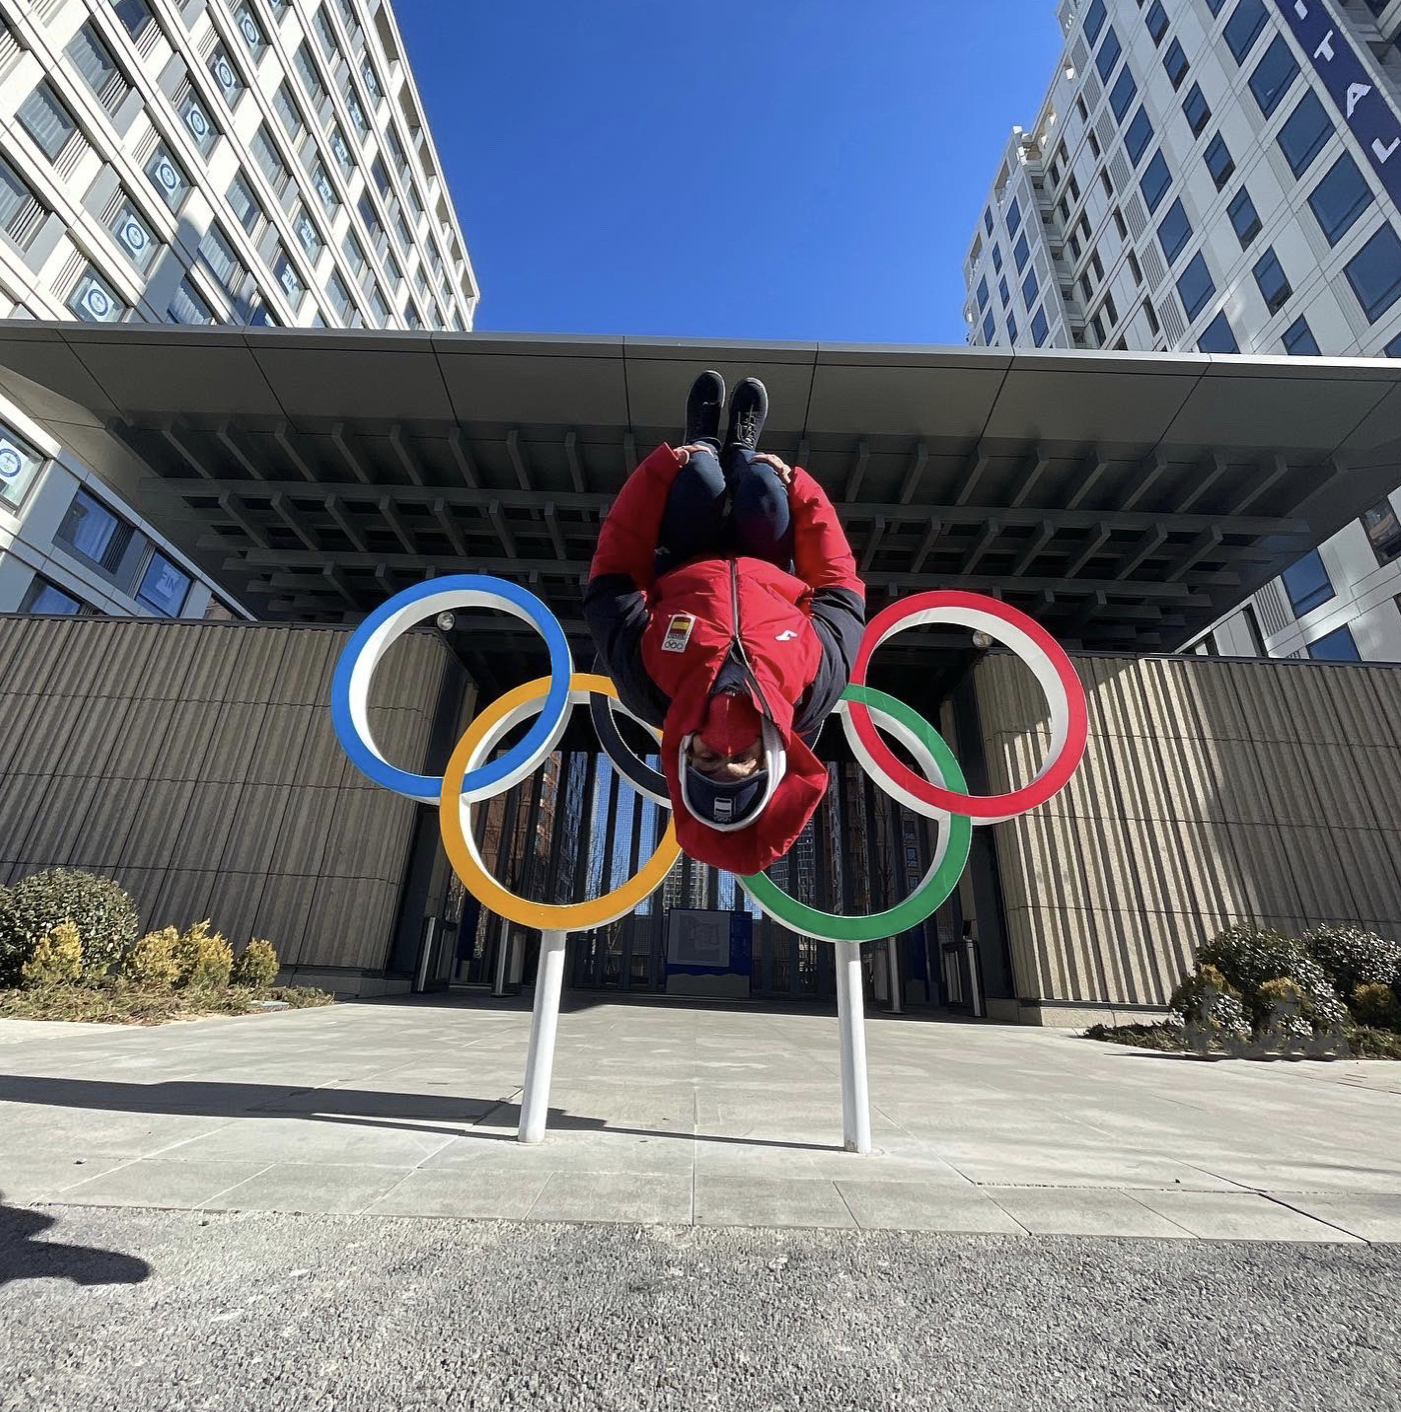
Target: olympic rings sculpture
{"points": [[939, 791]]}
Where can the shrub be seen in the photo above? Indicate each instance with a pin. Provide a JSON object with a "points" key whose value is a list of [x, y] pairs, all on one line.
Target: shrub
{"points": [[99, 908], [57, 959], [1376, 1005], [1248, 956], [1283, 1003], [255, 965], [1353, 957], [1208, 999], [203, 959], [152, 963]]}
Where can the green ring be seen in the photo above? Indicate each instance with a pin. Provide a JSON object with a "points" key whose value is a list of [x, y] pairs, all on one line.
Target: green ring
{"points": [[938, 883]]}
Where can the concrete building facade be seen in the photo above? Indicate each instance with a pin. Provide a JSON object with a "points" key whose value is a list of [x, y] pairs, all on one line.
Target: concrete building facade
{"points": [[245, 162], [1220, 176]]}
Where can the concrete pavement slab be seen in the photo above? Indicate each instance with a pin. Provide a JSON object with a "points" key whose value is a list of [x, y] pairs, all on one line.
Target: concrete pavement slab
{"points": [[1224, 1215], [344, 1141], [652, 1198], [769, 1201], [1082, 1212], [29, 1175], [309, 1187], [462, 1193], [1373, 1216], [924, 1206], [158, 1182]]}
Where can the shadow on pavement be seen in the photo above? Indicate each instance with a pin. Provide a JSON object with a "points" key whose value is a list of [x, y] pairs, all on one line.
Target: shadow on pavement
{"points": [[22, 1257], [356, 1107]]}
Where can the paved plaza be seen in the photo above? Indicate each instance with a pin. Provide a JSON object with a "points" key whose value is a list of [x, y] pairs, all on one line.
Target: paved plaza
{"points": [[664, 1114]]}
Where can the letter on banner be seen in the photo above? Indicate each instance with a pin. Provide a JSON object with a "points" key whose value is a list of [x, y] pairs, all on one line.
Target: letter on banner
{"points": [[1385, 154], [1356, 92], [1325, 48]]}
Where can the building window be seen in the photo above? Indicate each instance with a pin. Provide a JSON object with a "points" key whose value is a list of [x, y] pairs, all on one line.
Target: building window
{"points": [[378, 304], [996, 253], [367, 72], [226, 76], [325, 33], [1011, 329], [1014, 216], [307, 234], [267, 158], [245, 205], [1375, 273], [1031, 286], [1393, 349], [1154, 327], [1108, 55], [134, 236], [989, 327], [1273, 282], [1004, 291], [95, 301], [1195, 106], [1243, 28], [91, 530], [163, 587], [306, 69], [1299, 341], [1244, 218], [357, 114], [1217, 337], [322, 182], [1219, 161], [197, 122], [223, 263], [1174, 231], [354, 253], [1305, 133], [135, 16], [249, 28], [21, 212], [341, 150], [1252, 629], [1340, 198], [1383, 531], [20, 464], [288, 112], [93, 60], [1097, 328], [1157, 21], [168, 178], [1336, 646], [45, 597], [1094, 20], [1196, 287], [1273, 75], [1155, 182], [1175, 62], [1307, 583], [188, 306], [339, 296], [982, 294], [288, 278], [1138, 136], [46, 120], [1039, 328]]}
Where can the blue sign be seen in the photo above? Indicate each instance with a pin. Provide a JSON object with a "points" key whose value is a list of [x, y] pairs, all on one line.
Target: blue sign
{"points": [[1369, 115]]}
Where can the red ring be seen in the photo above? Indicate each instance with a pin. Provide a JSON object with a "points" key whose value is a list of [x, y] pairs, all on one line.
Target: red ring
{"points": [[975, 806]]}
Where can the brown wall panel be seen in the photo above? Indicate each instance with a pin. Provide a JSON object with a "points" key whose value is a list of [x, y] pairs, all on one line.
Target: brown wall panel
{"points": [[197, 764], [1212, 791]]}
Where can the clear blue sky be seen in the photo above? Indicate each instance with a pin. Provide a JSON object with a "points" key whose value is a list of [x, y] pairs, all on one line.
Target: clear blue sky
{"points": [[770, 169]]}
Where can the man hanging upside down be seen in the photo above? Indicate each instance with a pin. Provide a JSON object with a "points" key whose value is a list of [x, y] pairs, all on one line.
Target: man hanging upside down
{"points": [[725, 603]]}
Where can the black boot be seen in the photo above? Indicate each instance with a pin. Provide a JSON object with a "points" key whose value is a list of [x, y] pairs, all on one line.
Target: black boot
{"points": [[748, 408], [707, 397]]}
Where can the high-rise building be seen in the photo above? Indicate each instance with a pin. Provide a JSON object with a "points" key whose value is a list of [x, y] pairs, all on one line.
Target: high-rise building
{"points": [[244, 162], [1218, 176]]}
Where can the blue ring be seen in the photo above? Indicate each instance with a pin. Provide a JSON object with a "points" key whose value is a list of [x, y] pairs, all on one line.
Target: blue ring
{"points": [[479, 781]]}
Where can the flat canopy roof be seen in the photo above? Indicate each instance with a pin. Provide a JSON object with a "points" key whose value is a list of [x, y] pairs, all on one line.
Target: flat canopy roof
{"points": [[1124, 499]]}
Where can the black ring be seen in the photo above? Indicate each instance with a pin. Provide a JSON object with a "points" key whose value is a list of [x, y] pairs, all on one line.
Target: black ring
{"points": [[635, 770]]}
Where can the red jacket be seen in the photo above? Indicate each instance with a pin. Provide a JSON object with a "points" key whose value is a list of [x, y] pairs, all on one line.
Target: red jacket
{"points": [[768, 611]]}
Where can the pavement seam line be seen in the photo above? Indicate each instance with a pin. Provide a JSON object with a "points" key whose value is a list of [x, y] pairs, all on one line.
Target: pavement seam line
{"points": [[1309, 1216]]}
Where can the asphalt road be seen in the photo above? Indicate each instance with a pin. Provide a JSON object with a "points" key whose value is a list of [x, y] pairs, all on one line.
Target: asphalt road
{"points": [[160, 1310]]}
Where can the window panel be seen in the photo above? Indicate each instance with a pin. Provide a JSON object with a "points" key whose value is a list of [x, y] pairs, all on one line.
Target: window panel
{"points": [[288, 278], [1273, 75], [46, 120], [996, 252], [1175, 62], [339, 296], [1375, 273], [1014, 216], [1030, 288], [267, 157], [1299, 341], [135, 16], [45, 597], [1125, 90], [226, 76], [1197, 111], [20, 465], [1336, 646], [1174, 231], [1039, 328], [306, 70], [1218, 336], [245, 204], [307, 234], [1393, 349], [250, 29], [1138, 136], [1219, 161], [1004, 291], [321, 180], [1274, 284], [164, 588], [1243, 28], [1155, 181], [341, 149], [92, 530], [1094, 20], [287, 111], [94, 62], [982, 294], [136, 238], [1196, 287], [1108, 55], [1157, 21], [223, 262], [367, 72], [989, 327], [1307, 583], [1340, 197], [188, 306], [168, 177], [21, 211], [95, 301], [197, 123], [1244, 217], [1383, 531]]}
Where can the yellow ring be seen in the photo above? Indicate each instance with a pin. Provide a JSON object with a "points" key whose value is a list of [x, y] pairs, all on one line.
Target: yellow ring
{"points": [[455, 814]]}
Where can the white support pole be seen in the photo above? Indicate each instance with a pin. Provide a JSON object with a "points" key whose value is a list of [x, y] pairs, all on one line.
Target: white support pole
{"points": [[892, 958], [851, 1018], [540, 1057]]}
